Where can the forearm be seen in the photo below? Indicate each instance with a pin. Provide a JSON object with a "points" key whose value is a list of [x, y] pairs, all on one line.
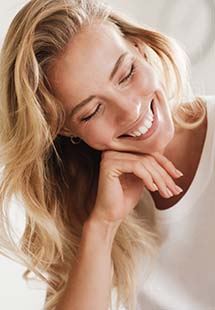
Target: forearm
{"points": [[89, 284]]}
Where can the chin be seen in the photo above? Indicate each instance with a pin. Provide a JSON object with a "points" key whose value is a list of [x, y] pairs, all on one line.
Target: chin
{"points": [[161, 144], [157, 145]]}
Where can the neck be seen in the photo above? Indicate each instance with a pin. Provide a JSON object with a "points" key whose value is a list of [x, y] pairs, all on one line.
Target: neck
{"points": [[184, 151], [177, 150], [186, 147]]}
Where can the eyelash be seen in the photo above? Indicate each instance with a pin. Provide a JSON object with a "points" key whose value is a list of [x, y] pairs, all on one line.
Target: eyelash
{"points": [[87, 118], [131, 73]]}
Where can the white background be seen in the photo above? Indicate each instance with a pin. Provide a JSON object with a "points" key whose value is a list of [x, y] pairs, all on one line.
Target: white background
{"points": [[193, 24]]}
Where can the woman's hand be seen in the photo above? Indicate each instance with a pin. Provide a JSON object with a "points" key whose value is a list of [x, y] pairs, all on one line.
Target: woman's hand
{"points": [[123, 177]]}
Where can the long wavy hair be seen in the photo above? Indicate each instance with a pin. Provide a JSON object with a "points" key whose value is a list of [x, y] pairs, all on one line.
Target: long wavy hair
{"points": [[55, 180]]}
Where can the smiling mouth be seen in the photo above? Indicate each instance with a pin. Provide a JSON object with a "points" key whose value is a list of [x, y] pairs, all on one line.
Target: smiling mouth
{"points": [[144, 128]]}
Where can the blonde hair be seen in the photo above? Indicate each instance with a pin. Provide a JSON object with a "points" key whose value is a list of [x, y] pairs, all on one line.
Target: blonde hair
{"points": [[56, 181]]}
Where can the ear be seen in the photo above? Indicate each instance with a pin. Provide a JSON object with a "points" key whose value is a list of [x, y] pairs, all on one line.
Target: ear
{"points": [[66, 132]]}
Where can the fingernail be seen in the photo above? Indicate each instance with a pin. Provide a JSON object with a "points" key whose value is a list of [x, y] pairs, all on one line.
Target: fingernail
{"points": [[169, 193], [155, 187], [178, 173], [179, 189]]}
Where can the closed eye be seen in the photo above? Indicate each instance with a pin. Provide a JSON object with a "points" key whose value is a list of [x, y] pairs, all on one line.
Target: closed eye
{"points": [[125, 79], [130, 74], [87, 118]]}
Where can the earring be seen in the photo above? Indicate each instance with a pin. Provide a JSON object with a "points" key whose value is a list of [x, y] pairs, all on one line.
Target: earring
{"points": [[75, 140]]}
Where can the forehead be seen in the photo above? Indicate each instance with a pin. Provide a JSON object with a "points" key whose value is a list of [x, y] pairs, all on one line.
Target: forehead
{"points": [[87, 62]]}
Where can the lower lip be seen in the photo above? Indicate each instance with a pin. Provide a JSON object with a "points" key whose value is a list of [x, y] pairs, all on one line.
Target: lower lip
{"points": [[152, 128]]}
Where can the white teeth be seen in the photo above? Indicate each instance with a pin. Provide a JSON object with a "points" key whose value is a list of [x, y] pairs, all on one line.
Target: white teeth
{"points": [[143, 130], [137, 133], [150, 117], [132, 135], [147, 123]]}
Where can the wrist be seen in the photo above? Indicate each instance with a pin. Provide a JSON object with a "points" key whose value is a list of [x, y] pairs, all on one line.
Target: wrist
{"points": [[102, 229]]}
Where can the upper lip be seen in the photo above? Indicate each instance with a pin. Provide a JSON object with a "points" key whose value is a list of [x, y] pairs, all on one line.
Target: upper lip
{"points": [[135, 125]]}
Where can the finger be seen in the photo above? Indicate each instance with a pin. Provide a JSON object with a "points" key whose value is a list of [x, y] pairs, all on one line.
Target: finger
{"points": [[161, 159], [167, 164], [175, 189], [116, 167], [162, 181], [158, 180]]}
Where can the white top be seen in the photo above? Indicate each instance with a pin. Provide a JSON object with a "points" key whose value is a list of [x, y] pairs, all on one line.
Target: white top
{"points": [[183, 276]]}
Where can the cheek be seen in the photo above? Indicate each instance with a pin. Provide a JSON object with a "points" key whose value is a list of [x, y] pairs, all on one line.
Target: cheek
{"points": [[98, 136]]}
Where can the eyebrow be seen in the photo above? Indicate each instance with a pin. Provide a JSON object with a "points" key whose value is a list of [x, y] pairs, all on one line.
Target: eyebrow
{"points": [[88, 99]]}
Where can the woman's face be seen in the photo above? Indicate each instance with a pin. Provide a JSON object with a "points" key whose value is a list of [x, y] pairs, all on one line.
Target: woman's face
{"points": [[111, 93]]}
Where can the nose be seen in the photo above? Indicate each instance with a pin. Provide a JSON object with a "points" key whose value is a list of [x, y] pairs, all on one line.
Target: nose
{"points": [[126, 109]]}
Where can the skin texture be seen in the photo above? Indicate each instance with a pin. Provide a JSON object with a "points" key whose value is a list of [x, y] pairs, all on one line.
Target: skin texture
{"points": [[127, 164], [79, 75]]}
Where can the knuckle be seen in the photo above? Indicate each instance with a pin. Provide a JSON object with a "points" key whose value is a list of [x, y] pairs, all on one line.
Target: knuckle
{"points": [[166, 161], [161, 158], [150, 159], [138, 165], [150, 180], [163, 173]]}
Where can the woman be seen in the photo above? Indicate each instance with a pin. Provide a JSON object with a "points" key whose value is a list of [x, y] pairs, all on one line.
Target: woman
{"points": [[102, 141]]}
